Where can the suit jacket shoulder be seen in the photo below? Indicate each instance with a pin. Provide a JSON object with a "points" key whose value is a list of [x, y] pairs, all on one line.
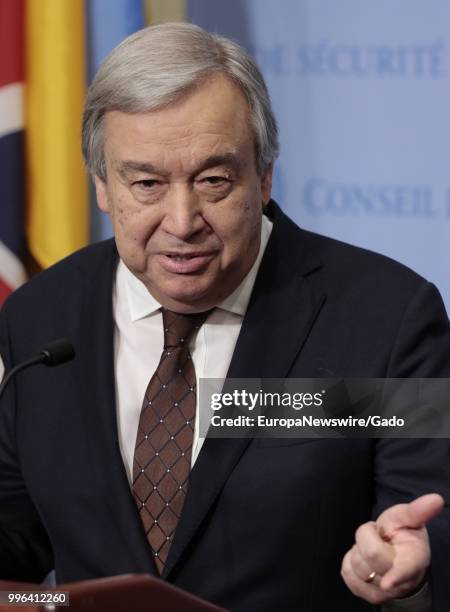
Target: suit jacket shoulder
{"points": [[362, 314], [50, 303]]}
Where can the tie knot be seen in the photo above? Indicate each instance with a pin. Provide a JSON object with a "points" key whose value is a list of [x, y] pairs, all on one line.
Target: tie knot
{"points": [[178, 327]]}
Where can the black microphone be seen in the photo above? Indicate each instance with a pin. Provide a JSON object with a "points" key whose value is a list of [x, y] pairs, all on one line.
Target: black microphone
{"points": [[52, 354]]}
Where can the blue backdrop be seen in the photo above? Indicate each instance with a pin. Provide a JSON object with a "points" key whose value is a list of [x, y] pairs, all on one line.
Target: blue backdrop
{"points": [[361, 90]]}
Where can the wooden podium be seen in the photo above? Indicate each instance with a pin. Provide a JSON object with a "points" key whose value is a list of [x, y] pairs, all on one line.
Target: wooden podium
{"points": [[128, 593]]}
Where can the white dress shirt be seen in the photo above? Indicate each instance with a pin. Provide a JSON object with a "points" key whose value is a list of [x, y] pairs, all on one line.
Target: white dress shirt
{"points": [[139, 340]]}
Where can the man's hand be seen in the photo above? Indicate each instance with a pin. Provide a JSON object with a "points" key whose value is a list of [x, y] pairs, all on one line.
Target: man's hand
{"points": [[390, 557]]}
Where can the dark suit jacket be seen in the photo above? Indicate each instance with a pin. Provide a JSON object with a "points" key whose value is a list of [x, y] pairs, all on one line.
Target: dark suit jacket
{"points": [[266, 522]]}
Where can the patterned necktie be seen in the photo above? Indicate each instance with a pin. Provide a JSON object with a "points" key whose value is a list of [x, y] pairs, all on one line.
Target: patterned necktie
{"points": [[162, 457]]}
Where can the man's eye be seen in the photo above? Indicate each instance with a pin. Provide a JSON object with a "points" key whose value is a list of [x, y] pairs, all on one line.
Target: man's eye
{"points": [[215, 180], [146, 183]]}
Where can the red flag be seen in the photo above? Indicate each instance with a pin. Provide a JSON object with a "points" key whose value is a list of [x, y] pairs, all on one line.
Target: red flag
{"points": [[12, 187]]}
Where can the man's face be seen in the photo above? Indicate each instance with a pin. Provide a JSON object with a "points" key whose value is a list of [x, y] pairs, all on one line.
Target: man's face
{"points": [[184, 195]]}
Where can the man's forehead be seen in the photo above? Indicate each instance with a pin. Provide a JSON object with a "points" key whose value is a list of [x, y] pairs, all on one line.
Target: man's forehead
{"points": [[202, 129]]}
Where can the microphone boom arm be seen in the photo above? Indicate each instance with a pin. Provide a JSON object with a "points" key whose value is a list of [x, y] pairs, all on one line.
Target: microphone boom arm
{"points": [[53, 354]]}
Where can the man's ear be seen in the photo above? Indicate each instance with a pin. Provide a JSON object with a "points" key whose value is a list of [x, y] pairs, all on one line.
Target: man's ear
{"points": [[101, 193], [266, 184]]}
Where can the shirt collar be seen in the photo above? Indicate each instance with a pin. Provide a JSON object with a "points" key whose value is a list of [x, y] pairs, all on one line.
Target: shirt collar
{"points": [[142, 304]]}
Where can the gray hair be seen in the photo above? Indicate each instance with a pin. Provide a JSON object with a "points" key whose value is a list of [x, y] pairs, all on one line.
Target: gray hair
{"points": [[156, 66]]}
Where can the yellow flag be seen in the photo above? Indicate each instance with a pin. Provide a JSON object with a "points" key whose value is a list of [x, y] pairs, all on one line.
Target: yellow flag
{"points": [[159, 11], [57, 218]]}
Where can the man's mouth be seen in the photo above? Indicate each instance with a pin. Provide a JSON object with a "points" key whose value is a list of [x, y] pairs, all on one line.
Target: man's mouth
{"points": [[186, 263], [182, 257]]}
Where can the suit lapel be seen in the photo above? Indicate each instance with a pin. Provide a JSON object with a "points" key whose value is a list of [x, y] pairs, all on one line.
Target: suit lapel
{"points": [[282, 310], [99, 411]]}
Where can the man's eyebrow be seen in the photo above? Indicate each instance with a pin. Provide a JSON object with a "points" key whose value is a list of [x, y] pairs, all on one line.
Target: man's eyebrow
{"points": [[136, 166], [226, 159]]}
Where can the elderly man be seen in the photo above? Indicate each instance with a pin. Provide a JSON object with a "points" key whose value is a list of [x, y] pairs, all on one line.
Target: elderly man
{"points": [[102, 468]]}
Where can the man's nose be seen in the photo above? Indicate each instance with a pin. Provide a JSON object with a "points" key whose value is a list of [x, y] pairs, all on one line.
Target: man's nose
{"points": [[183, 213]]}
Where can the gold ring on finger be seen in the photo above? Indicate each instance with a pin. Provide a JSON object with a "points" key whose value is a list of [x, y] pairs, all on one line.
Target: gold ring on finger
{"points": [[370, 578]]}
